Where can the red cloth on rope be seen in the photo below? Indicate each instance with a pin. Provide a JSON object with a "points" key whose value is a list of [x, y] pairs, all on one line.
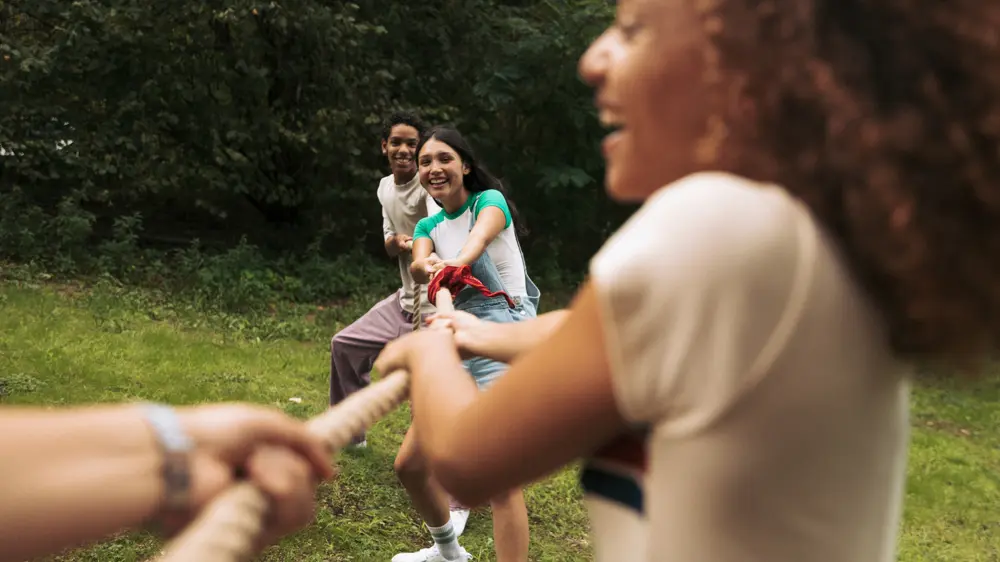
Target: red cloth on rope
{"points": [[455, 279]]}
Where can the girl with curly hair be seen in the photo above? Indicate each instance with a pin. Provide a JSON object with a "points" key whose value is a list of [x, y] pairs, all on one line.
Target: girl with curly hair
{"points": [[821, 208]]}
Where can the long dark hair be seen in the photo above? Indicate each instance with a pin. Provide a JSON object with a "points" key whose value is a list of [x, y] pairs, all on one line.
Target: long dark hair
{"points": [[479, 178]]}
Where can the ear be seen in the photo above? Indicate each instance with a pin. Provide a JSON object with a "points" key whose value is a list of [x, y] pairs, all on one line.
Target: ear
{"points": [[385, 149], [465, 169]]}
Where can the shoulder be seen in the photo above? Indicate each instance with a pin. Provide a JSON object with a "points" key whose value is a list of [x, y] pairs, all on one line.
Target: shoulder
{"points": [[715, 222], [385, 187], [493, 198], [698, 291]]}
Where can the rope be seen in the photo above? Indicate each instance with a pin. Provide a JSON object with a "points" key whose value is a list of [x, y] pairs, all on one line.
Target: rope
{"points": [[417, 319], [227, 529]]}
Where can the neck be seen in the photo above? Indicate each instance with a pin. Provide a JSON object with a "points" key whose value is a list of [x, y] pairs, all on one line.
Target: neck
{"points": [[403, 177], [455, 202]]}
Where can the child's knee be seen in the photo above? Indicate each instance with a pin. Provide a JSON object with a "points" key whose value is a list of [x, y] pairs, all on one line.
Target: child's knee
{"points": [[342, 347]]}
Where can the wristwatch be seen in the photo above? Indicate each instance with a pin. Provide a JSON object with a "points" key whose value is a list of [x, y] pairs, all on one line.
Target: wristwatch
{"points": [[176, 447]]}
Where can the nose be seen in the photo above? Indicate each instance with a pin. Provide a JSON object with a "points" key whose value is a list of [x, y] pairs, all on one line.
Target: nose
{"points": [[594, 63]]}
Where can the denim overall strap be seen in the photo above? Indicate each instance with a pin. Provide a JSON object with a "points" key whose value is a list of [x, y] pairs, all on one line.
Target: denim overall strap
{"points": [[483, 269], [534, 293]]}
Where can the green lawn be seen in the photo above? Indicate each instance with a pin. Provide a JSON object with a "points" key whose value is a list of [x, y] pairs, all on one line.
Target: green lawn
{"points": [[62, 346]]}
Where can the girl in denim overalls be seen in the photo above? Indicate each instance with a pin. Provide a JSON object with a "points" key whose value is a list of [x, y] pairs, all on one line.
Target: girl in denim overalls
{"points": [[476, 228]]}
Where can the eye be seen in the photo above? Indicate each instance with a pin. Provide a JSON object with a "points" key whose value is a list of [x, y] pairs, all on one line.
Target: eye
{"points": [[627, 28]]}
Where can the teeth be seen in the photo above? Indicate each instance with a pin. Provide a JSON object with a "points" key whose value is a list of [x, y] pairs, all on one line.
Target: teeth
{"points": [[609, 121]]}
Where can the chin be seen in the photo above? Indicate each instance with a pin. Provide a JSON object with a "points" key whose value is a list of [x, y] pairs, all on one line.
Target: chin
{"points": [[636, 183], [623, 190]]}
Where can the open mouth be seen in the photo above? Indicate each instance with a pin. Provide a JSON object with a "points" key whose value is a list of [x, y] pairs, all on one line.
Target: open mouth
{"points": [[611, 125], [614, 130], [614, 127], [610, 120], [438, 182]]}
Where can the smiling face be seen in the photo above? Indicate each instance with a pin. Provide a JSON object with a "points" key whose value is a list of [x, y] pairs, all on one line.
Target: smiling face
{"points": [[400, 148], [442, 173], [647, 71]]}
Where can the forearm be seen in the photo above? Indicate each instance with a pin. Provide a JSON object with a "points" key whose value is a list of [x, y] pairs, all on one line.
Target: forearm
{"points": [[505, 341], [441, 392], [391, 247], [471, 251], [73, 477]]}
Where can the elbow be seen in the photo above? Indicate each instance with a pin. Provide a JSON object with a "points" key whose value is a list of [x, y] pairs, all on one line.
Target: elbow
{"points": [[417, 272], [453, 472]]}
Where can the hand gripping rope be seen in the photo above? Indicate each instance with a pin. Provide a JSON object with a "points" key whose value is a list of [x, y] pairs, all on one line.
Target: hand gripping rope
{"points": [[227, 529]]}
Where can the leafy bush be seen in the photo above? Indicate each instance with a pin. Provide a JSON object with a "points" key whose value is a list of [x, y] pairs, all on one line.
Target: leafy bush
{"points": [[132, 127]]}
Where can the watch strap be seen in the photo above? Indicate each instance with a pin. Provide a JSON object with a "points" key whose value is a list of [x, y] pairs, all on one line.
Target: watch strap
{"points": [[176, 447]]}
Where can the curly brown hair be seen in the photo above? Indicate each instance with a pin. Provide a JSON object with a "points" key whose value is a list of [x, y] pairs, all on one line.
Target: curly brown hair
{"points": [[883, 116]]}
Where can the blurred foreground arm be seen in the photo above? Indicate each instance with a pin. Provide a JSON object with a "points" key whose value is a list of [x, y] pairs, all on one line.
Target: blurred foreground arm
{"points": [[502, 342], [78, 475]]}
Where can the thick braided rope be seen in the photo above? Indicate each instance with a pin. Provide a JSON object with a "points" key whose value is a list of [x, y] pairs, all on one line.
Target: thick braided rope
{"points": [[417, 319], [417, 288], [227, 530]]}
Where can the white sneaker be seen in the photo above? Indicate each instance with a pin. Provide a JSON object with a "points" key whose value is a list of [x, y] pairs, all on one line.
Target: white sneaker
{"points": [[360, 445], [431, 554], [459, 517]]}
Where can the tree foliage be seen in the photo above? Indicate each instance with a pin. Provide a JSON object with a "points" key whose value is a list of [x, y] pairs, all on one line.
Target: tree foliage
{"points": [[229, 119]]}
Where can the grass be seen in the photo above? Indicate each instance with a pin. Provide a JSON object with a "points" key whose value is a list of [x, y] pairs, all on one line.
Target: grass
{"points": [[67, 345], [64, 345]]}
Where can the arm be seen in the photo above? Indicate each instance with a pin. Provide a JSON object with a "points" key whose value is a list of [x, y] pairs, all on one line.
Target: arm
{"points": [[74, 477], [395, 244], [499, 341], [658, 335], [423, 252], [489, 224], [549, 433]]}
